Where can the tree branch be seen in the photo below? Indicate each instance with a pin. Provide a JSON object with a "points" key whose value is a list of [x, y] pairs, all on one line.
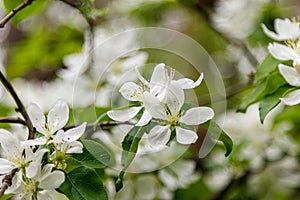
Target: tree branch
{"points": [[14, 120], [6, 181], [20, 106], [12, 13], [91, 128]]}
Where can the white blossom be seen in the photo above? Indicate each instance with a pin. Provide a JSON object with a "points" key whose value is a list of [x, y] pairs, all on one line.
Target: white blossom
{"points": [[157, 86], [285, 30], [41, 186], [57, 118], [66, 141], [174, 117], [18, 156], [291, 75]]}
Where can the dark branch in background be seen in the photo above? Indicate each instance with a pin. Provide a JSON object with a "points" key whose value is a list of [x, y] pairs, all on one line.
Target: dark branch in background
{"points": [[237, 43], [6, 181], [20, 106], [91, 128], [13, 120], [12, 13]]}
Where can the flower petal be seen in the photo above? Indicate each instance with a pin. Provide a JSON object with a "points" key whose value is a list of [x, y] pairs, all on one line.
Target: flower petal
{"points": [[33, 168], [131, 91], [37, 141], [158, 79], [145, 119], [282, 52], [52, 180], [153, 106], [289, 74], [286, 30], [37, 117], [74, 147], [58, 116], [50, 195], [75, 133], [175, 97], [184, 136], [198, 115], [10, 144], [124, 115], [140, 77], [58, 137], [187, 83], [292, 98], [5, 166], [159, 136]]}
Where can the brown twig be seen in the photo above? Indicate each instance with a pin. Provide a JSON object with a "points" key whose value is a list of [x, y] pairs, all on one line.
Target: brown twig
{"points": [[20, 106], [7, 181], [12, 13], [13, 120], [91, 128]]}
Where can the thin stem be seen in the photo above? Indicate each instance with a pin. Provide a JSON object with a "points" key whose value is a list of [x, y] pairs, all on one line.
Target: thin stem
{"points": [[12, 13], [13, 120], [20, 106]]}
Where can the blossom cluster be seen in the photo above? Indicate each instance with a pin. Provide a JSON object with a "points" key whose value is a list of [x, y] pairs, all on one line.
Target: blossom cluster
{"points": [[38, 162], [161, 101], [287, 32]]}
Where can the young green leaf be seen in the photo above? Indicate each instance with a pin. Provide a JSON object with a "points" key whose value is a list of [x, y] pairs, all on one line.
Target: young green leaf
{"points": [[88, 160], [265, 68], [266, 87], [255, 96], [217, 133], [270, 102], [83, 183], [130, 146], [98, 151]]}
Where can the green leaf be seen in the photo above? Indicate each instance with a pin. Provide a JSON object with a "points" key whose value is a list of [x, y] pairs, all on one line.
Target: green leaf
{"points": [[268, 103], [265, 68], [72, 164], [88, 160], [34, 8], [274, 82], [255, 96], [98, 151], [6, 196], [262, 89], [83, 183], [219, 134], [130, 146], [130, 143]]}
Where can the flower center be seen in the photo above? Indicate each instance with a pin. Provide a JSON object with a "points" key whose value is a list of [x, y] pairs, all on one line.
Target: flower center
{"points": [[31, 187]]}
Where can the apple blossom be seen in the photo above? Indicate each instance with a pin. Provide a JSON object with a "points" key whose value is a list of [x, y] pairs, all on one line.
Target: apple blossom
{"points": [[289, 32], [66, 141], [158, 86], [18, 156], [57, 118], [41, 186], [285, 28], [174, 117]]}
